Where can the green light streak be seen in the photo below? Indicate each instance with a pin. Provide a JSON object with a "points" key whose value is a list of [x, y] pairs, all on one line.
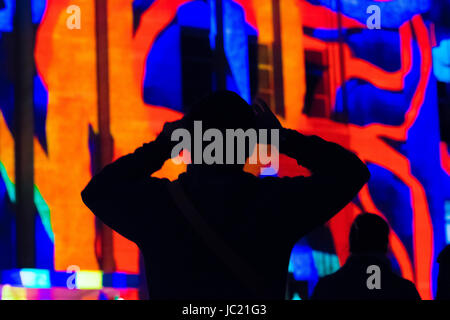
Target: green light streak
{"points": [[39, 202]]}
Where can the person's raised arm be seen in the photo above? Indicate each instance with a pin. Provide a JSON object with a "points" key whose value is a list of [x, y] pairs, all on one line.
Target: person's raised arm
{"points": [[337, 175], [114, 194]]}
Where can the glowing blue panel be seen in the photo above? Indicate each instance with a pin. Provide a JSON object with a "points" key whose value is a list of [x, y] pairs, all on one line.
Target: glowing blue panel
{"points": [[35, 278], [236, 47], [38, 9], [441, 61], [6, 16]]}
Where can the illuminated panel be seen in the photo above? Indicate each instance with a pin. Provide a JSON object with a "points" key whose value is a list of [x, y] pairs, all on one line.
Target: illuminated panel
{"points": [[326, 263], [7, 167], [391, 122], [33, 278], [13, 293], [236, 49], [441, 61], [89, 280], [42, 284], [66, 61], [403, 99], [362, 135], [132, 121], [44, 234]]}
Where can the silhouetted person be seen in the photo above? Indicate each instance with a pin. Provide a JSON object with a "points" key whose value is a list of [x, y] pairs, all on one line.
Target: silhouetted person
{"points": [[358, 279], [259, 219], [443, 282]]}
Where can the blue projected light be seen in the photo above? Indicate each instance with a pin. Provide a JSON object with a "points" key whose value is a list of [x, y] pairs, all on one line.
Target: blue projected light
{"points": [[236, 48], [302, 264], [162, 85], [7, 13], [441, 61], [6, 16], [447, 221], [268, 172], [84, 280], [393, 13], [326, 263], [38, 10], [35, 278], [213, 21]]}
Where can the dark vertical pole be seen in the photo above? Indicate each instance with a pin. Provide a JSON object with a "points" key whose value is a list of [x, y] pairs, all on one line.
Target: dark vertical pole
{"points": [[105, 140], [220, 58], [342, 116], [24, 133], [143, 288], [277, 58]]}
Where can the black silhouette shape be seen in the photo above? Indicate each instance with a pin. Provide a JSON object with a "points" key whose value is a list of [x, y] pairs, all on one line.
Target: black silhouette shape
{"points": [[259, 219], [443, 282], [369, 236]]}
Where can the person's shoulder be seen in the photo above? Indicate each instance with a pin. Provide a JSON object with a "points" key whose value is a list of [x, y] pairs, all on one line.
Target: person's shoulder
{"points": [[407, 287], [327, 287], [400, 280], [408, 284]]}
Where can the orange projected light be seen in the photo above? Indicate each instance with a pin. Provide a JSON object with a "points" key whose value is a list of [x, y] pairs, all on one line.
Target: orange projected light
{"points": [[298, 31]]}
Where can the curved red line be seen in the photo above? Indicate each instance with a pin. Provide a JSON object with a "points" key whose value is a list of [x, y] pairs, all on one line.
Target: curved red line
{"points": [[52, 12], [399, 250], [356, 68], [153, 21], [321, 17], [445, 157]]}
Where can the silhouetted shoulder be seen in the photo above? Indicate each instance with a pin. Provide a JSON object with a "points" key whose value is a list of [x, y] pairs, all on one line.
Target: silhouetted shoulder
{"points": [[406, 289], [328, 287], [348, 284], [125, 207]]}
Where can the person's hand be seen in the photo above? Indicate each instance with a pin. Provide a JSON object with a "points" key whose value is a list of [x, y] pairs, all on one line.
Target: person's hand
{"points": [[170, 127], [264, 117]]}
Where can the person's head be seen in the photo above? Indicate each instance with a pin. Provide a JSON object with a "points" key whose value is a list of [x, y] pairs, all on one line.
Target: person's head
{"points": [[222, 110], [369, 233]]}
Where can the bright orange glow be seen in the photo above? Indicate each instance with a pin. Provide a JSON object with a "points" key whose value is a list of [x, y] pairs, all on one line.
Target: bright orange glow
{"points": [[66, 60]]}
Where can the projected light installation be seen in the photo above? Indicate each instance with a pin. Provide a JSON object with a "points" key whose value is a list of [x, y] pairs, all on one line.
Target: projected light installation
{"points": [[318, 65]]}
